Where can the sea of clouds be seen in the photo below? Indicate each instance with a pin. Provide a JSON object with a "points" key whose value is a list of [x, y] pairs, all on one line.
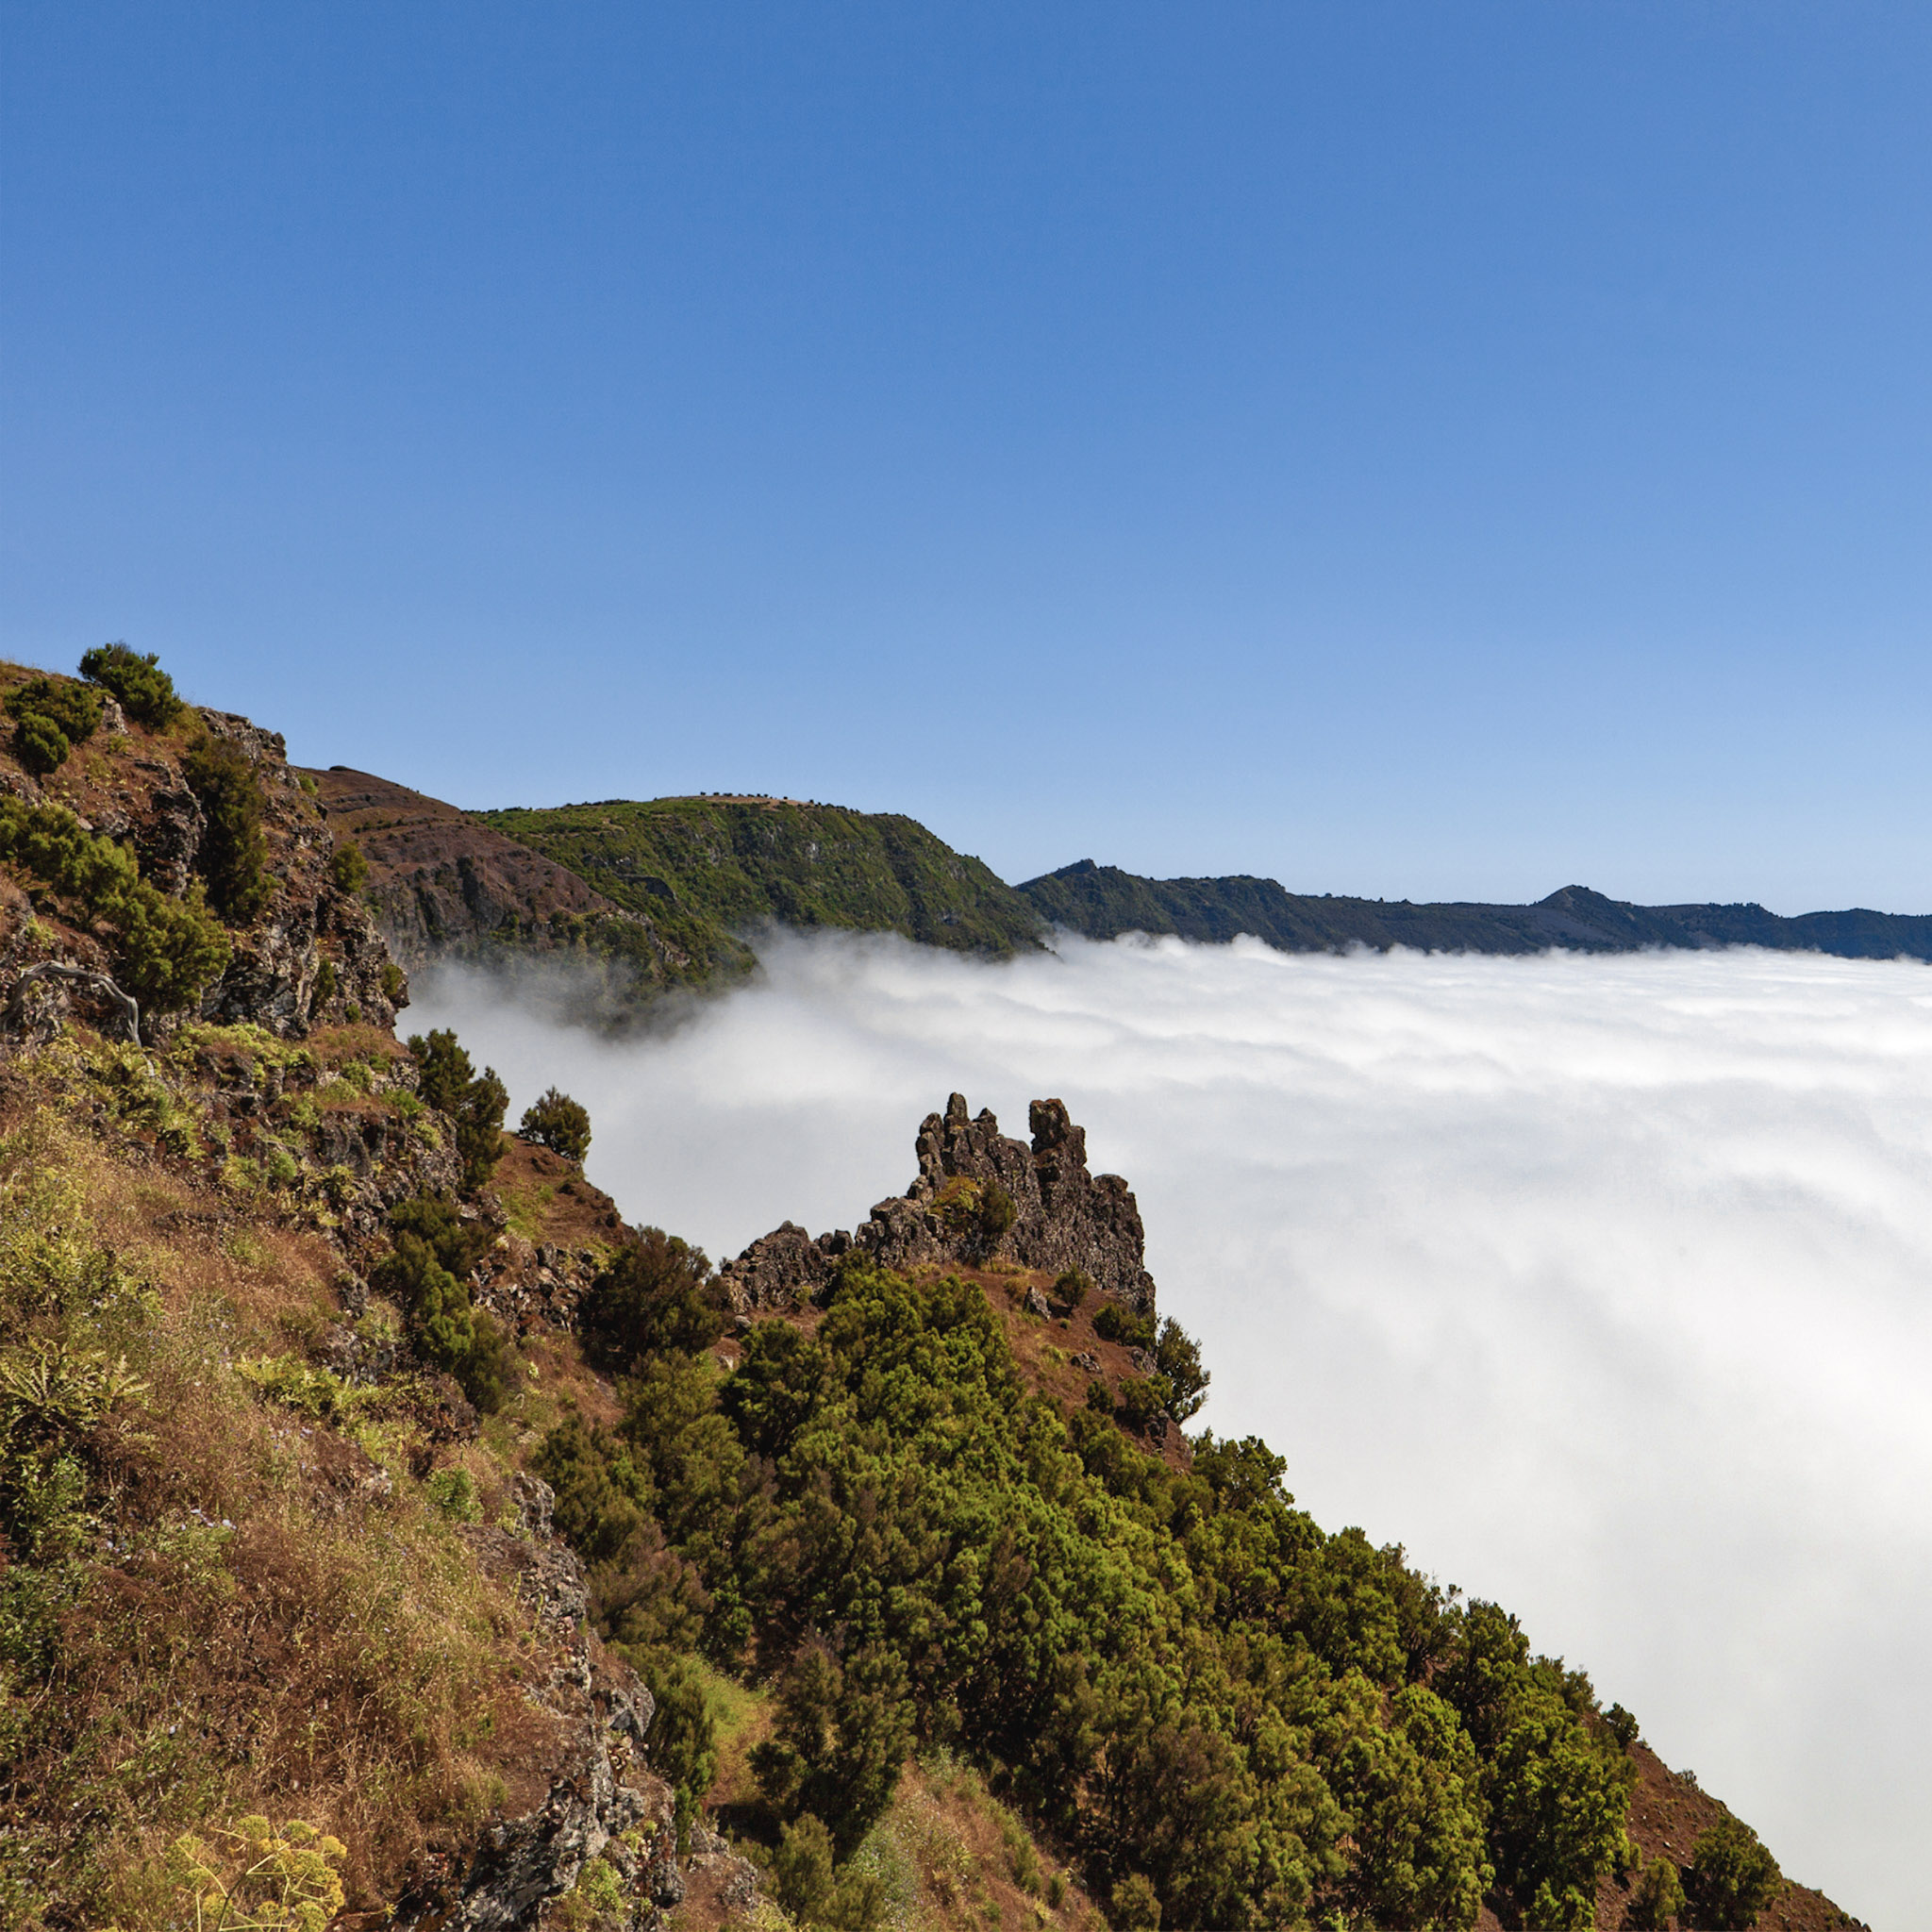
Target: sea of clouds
{"points": [[1605, 1285]]}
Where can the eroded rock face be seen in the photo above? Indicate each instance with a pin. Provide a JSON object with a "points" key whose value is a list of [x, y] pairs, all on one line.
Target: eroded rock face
{"points": [[953, 1215], [603, 1801], [312, 955]]}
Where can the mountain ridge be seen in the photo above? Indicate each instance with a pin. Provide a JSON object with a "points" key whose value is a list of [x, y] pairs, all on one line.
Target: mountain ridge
{"points": [[1103, 902]]}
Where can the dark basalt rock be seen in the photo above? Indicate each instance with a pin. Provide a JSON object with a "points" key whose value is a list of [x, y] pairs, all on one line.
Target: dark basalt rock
{"points": [[601, 1790], [1063, 1216]]}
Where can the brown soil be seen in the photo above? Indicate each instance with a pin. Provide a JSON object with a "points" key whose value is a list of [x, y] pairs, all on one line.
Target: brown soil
{"points": [[437, 874]]}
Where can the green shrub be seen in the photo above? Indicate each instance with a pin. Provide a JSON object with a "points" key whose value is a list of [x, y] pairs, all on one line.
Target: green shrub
{"points": [[996, 1214], [1072, 1289], [348, 870], [1622, 1726], [454, 1495], [1142, 1398], [1177, 1356], [476, 1103], [435, 1221], [1656, 1897], [393, 983], [234, 853], [40, 746], [324, 984], [843, 1732], [684, 1738], [559, 1123], [167, 950], [446, 1328], [654, 1297], [53, 717], [802, 1870], [146, 691], [1731, 1876], [1115, 1322], [1099, 1397], [1135, 1906]]}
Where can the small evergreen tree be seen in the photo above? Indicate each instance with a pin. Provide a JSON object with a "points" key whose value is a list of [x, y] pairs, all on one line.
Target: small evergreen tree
{"points": [[1177, 1356], [1656, 1897], [559, 1123], [443, 1068], [474, 1102], [651, 1300], [1731, 1878], [146, 691], [420, 1273], [234, 855], [53, 716], [348, 870]]}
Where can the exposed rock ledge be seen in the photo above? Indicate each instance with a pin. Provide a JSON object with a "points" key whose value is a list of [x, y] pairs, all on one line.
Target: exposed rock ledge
{"points": [[1063, 1216]]}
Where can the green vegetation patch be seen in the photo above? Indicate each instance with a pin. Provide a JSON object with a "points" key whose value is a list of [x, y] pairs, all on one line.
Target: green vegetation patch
{"points": [[166, 950], [1221, 1711], [736, 865]]}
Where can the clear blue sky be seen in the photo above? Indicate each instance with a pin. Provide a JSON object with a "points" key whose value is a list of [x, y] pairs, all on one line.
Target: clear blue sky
{"points": [[1427, 450]]}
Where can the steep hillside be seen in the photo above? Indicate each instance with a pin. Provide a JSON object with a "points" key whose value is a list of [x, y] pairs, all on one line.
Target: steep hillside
{"points": [[445, 886], [742, 862], [1103, 902], [390, 1534]]}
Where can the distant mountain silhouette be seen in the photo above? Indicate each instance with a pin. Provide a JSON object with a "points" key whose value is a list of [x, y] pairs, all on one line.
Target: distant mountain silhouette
{"points": [[1103, 902]]}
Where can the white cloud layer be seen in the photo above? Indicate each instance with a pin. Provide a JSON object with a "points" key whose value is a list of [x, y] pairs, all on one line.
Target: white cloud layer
{"points": [[1605, 1285]]}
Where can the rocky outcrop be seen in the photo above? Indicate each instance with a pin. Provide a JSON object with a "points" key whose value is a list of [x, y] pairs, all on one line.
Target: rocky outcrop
{"points": [[981, 1198], [312, 955], [603, 1801]]}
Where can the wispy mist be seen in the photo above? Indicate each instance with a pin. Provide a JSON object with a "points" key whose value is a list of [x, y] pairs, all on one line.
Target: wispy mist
{"points": [[1606, 1285]]}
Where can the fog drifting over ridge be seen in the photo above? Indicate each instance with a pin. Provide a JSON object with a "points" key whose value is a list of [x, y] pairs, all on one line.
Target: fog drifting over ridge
{"points": [[1605, 1283]]}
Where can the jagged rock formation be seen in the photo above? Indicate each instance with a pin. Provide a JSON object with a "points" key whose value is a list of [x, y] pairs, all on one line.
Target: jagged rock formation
{"points": [[980, 1198]]}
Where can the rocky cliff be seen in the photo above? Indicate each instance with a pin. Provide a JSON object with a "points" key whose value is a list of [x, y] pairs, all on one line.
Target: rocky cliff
{"points": [[270, 1529], [310, 953], [980, 1199]]}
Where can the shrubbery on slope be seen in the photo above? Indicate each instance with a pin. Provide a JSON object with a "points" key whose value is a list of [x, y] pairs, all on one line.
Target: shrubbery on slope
{"points": [[1179, 1674]]}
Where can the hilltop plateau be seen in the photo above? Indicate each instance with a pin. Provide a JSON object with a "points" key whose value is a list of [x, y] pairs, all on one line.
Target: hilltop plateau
{"points": [[391, 1534]]}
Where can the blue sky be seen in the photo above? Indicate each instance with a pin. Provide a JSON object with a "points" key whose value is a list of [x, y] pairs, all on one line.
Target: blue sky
{"points": [[1418, 450]]}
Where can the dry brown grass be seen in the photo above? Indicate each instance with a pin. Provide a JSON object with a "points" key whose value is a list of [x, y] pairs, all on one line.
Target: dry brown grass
{"points": [[274, 1616]]}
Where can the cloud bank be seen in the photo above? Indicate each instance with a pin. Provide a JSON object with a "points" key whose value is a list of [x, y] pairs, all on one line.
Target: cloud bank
{"points": [[1604, 1284]]}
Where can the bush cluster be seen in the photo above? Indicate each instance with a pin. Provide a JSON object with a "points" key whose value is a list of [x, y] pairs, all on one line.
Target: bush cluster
{"points": [[558, 1122], [1731, 1876], [474, 1102], [165, 949], [1116, 1322], [146, 692], [654, 1298], [348, 870], [1225, 1714], [51, 716], [234, 855], [432, 1252]]}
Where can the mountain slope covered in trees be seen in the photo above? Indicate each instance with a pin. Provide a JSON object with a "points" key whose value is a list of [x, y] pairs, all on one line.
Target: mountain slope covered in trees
{"points": [[390, 1534], [746, 862]]}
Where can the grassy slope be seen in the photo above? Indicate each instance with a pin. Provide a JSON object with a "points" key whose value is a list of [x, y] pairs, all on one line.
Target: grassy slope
{"points": [[741, 864]]}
